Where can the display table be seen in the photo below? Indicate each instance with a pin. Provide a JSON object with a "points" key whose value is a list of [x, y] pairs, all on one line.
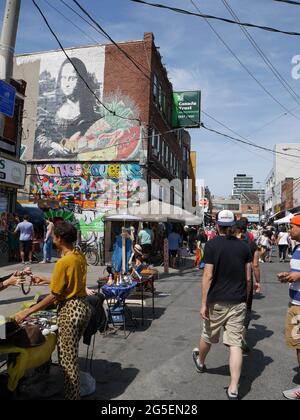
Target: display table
{"points": [[27, 358], [116, 303], [119, 293]]}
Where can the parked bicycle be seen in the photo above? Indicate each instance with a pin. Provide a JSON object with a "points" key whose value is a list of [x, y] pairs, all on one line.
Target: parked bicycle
{"points": [[93, 251]]}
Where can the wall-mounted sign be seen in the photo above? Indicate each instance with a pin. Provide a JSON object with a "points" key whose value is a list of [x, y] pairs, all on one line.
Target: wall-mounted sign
{"points": [[12, 172], [7, 99], [186, 109]]}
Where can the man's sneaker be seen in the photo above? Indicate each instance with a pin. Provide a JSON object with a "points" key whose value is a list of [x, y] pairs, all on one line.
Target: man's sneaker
{"points": [[200, 368], [232, 396], [292, 394]]}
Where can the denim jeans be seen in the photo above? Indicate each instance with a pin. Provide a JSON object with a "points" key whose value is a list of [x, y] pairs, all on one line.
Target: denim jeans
{"points": [[48, 249]]}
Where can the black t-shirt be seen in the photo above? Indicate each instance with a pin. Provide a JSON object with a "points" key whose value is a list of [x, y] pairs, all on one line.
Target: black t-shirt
{"points": [[202, 238], [253, 247], [229, 257]]}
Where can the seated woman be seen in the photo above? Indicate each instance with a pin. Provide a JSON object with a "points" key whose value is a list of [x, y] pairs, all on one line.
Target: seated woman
{"points": [[137, 272]]}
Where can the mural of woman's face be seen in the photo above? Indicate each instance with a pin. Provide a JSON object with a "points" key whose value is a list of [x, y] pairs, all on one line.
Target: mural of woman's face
{"points": [[69, 79]]}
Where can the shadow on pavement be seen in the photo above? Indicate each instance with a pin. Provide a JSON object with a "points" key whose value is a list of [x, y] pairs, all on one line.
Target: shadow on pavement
{"points": [[255, 362], [296, 378], [112, 380]]}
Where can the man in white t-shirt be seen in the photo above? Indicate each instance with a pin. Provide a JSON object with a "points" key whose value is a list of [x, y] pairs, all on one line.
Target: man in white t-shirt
{"points": [[293, 315]]}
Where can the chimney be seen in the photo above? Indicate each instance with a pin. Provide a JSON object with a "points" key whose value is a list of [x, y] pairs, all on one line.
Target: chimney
{"points": [[149, 37]]}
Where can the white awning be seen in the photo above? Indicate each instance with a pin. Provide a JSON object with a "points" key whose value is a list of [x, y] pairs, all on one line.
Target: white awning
{"points": [[284, 220]]}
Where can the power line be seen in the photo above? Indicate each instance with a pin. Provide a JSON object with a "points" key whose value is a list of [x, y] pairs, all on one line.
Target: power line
{"points": [[246, 142], [244, 66], [110, 38], [289, 2], [78, 27], [201, 15], [273, 69], [104, 33], [77, 71], [99, 29], [70, 21]]}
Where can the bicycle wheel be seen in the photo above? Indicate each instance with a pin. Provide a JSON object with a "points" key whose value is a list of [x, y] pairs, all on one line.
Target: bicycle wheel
{"points": [[92, 257]]}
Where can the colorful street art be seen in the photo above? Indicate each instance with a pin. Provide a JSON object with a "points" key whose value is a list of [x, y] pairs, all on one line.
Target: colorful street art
{"points": [[90, 223], [72, 124], [101, 187]]}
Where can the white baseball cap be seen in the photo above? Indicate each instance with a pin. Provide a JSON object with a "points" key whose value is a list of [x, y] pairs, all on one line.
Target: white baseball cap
{"points": [[226, 218]]}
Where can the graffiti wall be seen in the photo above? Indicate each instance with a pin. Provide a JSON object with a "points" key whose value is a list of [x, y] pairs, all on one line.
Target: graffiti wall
{"points": [[90, 223], [102, 187], [73, 119]]}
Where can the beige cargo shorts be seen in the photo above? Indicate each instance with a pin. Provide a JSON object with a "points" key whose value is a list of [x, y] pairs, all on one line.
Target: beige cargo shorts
{"points": [[227, 316]]}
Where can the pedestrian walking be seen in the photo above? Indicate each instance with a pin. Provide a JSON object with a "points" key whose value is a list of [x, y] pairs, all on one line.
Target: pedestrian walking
{"points": [[146, 238], [48, 242], [255, 284], [224, 295], [26, 231], [201, 241], [175, 242], [293, 314], [283, 242]]}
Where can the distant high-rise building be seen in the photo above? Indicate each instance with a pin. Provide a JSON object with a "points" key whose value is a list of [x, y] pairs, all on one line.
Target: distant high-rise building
{"points": [[241, 183]]}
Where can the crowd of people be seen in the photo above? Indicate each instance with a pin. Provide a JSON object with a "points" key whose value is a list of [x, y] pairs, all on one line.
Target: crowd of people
{"points": [[25, 242], [231, 252], [231, 277]]}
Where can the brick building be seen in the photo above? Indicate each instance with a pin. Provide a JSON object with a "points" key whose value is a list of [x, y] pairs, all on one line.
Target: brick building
{"points": [[92, 157]]}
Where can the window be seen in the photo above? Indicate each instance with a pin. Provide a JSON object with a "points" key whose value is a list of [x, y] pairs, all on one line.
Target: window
{"points": [[167, 157], [155, 88], [163, 151], [155, 143], [160, 97], [159, 147]]}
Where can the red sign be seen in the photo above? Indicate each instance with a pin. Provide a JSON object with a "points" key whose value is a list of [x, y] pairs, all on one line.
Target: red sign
{"points": [[203, 202]]}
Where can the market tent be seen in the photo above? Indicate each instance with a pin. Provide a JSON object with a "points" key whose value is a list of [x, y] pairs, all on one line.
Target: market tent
{"points": [[284, 220], [157, 211], [122, 218]]}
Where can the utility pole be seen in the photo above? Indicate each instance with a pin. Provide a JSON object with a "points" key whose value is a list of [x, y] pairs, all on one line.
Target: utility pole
{"points": [[7, 45]]}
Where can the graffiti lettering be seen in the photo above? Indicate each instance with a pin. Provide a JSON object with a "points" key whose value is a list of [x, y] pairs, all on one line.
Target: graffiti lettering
{"points": [[100, 186]]}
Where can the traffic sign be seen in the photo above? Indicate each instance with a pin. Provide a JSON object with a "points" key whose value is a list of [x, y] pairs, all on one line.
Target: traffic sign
{"points": [[203, 202], [7, 99]]}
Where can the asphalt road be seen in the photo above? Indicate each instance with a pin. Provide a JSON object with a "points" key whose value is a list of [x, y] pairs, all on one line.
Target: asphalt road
{"points": [[155, 361]]}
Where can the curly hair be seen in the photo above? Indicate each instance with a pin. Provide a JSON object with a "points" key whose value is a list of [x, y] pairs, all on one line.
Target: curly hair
{"points": [[66, 231]]}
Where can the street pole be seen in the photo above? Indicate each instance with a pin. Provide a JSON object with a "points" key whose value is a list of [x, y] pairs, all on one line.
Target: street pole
{"points": [[7, 45]]}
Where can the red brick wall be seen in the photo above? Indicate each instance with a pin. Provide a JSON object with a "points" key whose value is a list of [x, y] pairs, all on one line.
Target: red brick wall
{"points": [[121, 74], [287, 194]]}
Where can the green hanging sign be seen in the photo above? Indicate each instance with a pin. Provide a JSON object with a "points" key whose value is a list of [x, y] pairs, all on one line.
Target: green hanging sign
{"points": [[186, 109]]}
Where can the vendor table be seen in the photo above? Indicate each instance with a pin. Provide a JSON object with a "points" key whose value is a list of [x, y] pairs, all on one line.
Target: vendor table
{"points": [[27, 358], [116, 303]]}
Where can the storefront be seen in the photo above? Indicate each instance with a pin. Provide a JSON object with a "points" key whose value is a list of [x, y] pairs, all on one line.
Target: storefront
{"points": [[12, 177]]}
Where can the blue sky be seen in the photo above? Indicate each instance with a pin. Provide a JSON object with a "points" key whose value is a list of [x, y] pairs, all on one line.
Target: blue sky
{"points": [[196, 59]]}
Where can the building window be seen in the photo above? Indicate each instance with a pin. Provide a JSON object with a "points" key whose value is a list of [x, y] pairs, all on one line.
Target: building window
{"points": [[155, 143], [155, 88]]}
